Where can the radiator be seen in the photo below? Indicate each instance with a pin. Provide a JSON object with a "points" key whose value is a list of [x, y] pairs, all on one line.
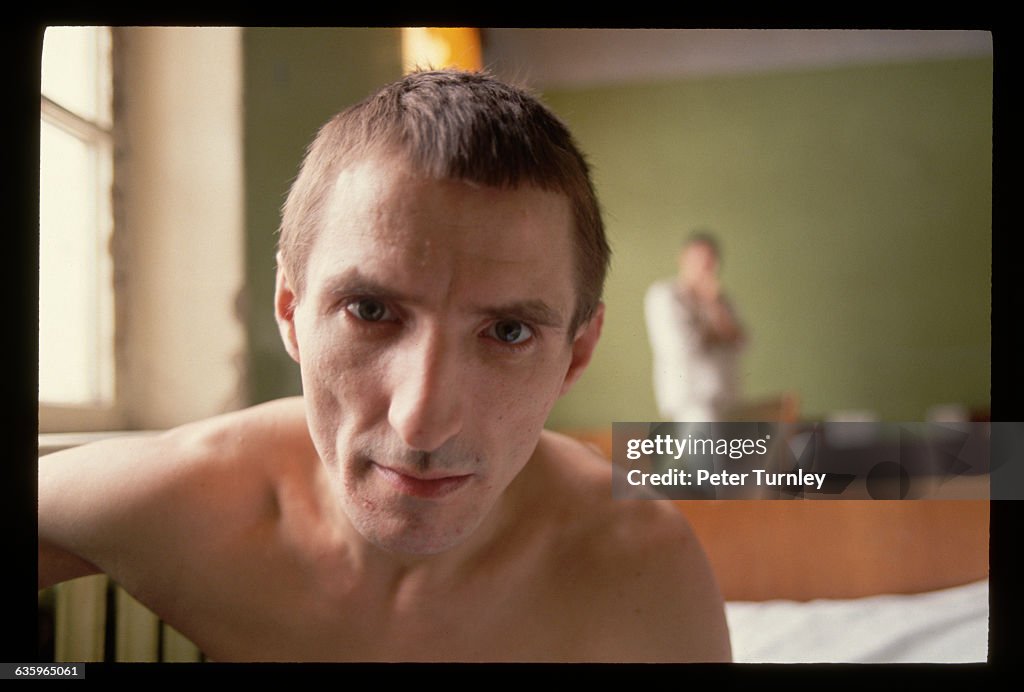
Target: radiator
{"points": [[93, 619]]}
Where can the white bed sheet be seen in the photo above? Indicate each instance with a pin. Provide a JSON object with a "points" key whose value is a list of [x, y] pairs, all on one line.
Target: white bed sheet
{"points": [[947, 626]]}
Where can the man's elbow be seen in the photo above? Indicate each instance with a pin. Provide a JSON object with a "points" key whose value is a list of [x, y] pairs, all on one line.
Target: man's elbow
{"points": [[57, 565]]}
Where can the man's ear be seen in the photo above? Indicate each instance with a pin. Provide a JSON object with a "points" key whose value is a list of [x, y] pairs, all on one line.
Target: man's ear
{"points": [[284, 311], [583, 346]]}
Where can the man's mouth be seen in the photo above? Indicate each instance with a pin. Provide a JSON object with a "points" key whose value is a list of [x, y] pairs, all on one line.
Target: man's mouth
{"points": [[420, 485]]}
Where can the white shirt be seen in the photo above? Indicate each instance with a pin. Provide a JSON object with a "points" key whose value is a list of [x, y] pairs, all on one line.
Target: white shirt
{"points": [[693, 380]]}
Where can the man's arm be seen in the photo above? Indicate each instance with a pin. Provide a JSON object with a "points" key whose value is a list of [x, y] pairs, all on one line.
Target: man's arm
{"points": [[725, 328], [673, 341], [667, 327], [94, 501], [57, 565], [138, 507]]}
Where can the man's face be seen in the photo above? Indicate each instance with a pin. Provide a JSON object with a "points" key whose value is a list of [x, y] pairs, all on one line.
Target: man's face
{"points": [[699, 261], [432, 339]]}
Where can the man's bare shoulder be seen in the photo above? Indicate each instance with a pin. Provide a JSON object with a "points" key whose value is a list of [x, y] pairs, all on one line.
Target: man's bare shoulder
{"points": [[582, 480], [115, 502], [650, 587], [266, 440], [232, 453]]}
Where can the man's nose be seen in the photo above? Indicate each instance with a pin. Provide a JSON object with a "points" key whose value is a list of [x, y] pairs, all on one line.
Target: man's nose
{"points": [[426, 402]]}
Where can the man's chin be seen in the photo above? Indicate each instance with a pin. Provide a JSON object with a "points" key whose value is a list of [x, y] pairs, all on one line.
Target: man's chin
{"points": [[412, 536], [414, 543]]}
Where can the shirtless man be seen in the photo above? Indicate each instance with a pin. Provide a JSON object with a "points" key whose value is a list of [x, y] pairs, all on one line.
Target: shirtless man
{"points": [[440, 271]]}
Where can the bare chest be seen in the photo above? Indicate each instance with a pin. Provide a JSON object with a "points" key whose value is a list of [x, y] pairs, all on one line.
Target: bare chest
{"points": [[285, 619], [277, 590]]}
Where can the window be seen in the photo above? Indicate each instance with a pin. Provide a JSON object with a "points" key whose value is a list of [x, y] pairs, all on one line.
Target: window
{"points": [[76, 326], [174, 271]]}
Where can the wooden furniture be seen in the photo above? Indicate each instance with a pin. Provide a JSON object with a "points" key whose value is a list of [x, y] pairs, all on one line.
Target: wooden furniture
{"points": [[805, 549]]}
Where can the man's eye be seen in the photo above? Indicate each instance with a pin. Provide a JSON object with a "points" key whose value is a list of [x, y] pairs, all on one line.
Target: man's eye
{"points": [[511, 332], [369, 310]]}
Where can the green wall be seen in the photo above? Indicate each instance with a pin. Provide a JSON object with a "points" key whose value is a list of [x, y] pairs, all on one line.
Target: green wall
{"points": [[854, 209], [295, 80]]}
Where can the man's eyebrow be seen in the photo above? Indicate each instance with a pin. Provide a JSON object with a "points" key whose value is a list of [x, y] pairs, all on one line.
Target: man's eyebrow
{"points": [[535, 312], [354, 282]]}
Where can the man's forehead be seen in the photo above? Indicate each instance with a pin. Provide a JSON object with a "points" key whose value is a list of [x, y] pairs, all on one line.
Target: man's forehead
{"points": [[699, 248], [385, 196], [395, 224], [391, 176]]}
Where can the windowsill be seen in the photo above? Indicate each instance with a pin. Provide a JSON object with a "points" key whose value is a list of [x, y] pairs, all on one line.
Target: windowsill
{"points": [[55, 442], [82, 418]]}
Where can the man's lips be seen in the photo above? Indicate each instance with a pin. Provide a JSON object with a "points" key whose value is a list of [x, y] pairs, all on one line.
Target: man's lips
{"points": [[419, 486]]}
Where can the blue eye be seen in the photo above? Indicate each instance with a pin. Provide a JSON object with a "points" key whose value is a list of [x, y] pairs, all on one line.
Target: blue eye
{"points": [[369, 310], [511, 332]]}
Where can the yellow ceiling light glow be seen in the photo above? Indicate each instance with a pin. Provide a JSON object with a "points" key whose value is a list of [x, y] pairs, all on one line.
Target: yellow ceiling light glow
{"points": [[440, 47]]}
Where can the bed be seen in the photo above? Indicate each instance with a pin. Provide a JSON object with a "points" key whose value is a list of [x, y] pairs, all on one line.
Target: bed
{"points": [[943, 626], [846, 581], [850, 581]]}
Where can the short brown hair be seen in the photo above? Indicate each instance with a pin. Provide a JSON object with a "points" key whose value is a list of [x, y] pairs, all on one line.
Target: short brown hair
{"points": [[703, 237], [459, 126]]}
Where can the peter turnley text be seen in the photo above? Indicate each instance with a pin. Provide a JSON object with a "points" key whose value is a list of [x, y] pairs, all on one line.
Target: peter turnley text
{"points": [[703, 477]]}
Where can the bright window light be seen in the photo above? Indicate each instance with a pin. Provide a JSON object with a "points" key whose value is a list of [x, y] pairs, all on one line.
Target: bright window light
{"points": [[75, 221]]}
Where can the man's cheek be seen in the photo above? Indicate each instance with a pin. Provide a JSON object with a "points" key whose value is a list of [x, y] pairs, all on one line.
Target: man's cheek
{"points": [[334, 365], [541, 391]]}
